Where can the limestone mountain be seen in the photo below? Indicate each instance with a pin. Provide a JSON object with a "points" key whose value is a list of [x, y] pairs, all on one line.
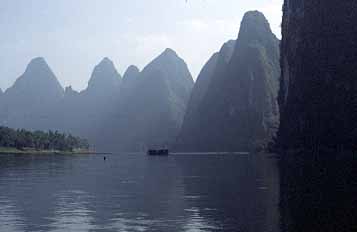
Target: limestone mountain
{"points": [[318, 97], [131, 74], [89, 112], [103, 88], [190, 128], [153, 113], [31, 101], [239, 109], [105, 80], [141, 110], [38, 83], [130, 80], [318, 106]]}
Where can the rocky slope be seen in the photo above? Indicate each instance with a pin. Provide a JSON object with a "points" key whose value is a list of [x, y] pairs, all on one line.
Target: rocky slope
{"points": [[239, 109]]}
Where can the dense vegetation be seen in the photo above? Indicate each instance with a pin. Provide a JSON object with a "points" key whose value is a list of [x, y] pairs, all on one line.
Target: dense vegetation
{"points": [[40, 140]]}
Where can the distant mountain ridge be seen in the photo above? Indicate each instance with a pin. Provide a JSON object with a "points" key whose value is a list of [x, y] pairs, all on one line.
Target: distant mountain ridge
{"points": [[149, 105], [231, 107]]}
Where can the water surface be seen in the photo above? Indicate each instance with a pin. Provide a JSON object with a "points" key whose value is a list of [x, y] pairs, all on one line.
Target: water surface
{"points": [[212, 192]]}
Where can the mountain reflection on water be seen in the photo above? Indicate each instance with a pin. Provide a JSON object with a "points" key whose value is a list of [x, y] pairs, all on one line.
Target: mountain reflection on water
{"points": [[210, 192]]}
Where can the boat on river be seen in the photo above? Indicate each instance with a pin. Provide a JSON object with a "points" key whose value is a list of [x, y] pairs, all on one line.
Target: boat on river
{"points": [[158, 152]]}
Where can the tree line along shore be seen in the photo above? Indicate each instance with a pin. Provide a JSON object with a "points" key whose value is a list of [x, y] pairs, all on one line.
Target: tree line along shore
{"points": [[20, 141]]}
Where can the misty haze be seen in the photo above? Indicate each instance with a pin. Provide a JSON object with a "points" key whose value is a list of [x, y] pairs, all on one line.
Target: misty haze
{"points": [[174, 115]]}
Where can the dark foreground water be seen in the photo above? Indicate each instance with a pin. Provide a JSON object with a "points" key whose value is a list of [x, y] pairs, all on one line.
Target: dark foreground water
{"points": [[139, 193]]}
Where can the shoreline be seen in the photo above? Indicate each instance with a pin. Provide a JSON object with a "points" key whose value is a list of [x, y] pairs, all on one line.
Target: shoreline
{"points": [[15, 151]]}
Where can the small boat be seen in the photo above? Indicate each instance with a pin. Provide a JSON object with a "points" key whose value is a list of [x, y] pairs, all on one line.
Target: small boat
{"points": [[161, 152]]}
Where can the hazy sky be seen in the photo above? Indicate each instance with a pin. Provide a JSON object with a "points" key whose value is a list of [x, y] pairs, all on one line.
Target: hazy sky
{"points": [[74, 35]]}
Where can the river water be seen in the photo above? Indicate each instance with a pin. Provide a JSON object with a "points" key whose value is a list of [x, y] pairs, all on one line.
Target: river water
{"points": [[134, 192]]}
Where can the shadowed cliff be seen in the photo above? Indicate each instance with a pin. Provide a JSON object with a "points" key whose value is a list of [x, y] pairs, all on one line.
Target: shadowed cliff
{"points": [[318, 104], [318, 97]]}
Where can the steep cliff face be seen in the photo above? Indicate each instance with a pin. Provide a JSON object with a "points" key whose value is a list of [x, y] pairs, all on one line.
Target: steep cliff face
{"points": [[318, 104], [318, 97], [239, 110], [254, 70]]}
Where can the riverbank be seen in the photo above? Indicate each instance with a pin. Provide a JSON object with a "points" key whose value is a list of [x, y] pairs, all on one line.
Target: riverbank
{"points": [[29, 151]]}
